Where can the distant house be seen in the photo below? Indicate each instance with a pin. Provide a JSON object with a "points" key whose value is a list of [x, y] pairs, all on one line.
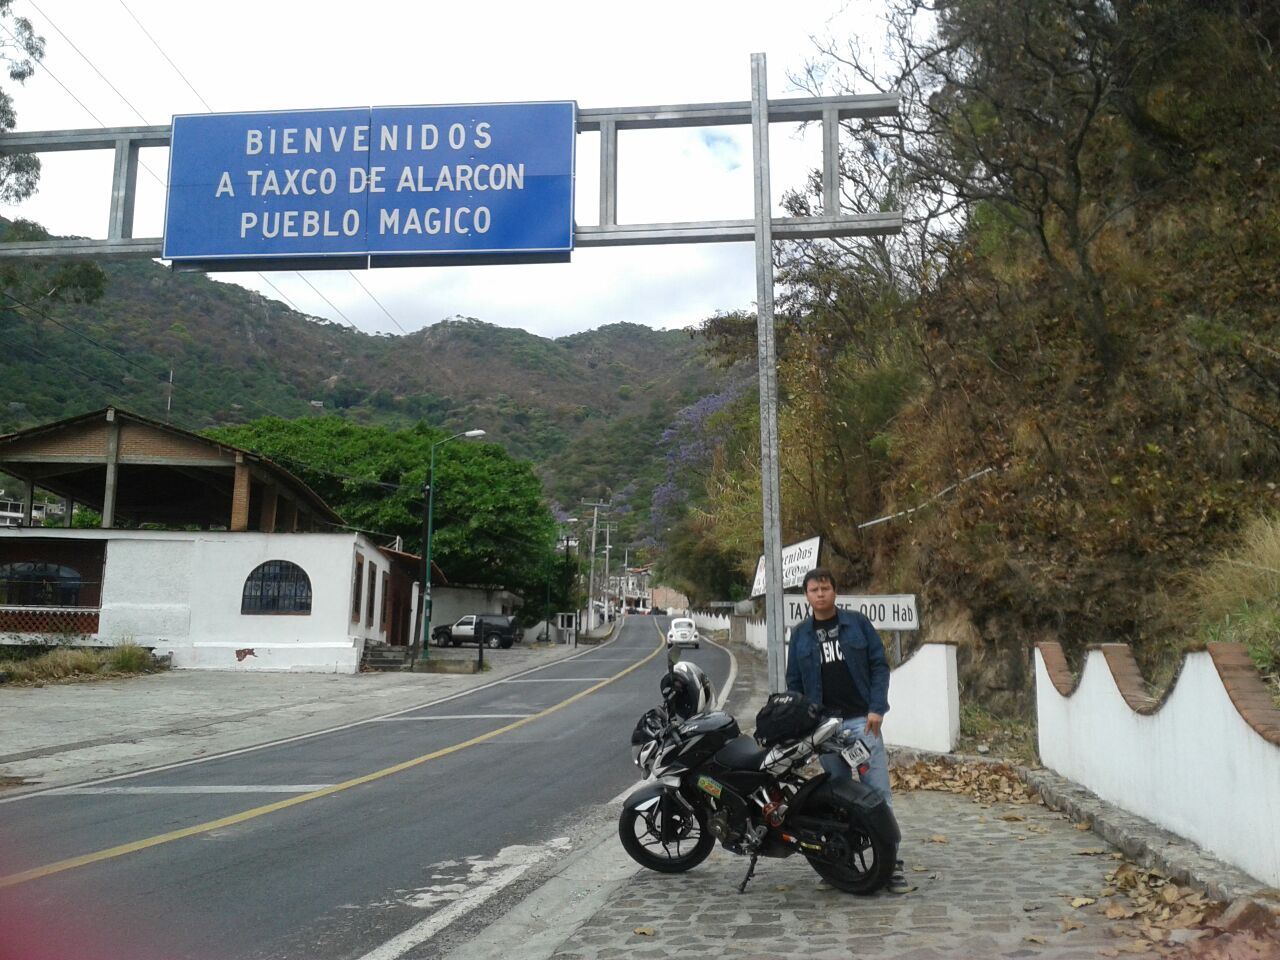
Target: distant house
{"points": [[208, 552], [13, 513]]}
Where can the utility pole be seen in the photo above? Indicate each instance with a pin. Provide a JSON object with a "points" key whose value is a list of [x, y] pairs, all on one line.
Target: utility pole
{"points": [[591, 578], [609, 527], [607, 583], [766, 363]]}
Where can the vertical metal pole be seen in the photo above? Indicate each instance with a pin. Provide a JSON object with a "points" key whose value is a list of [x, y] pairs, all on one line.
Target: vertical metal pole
{"points": [[608, 529], [426, 555], [830, 162], [28, 502], [123, 190], [767, 362], [113, 461], [608, 173]]}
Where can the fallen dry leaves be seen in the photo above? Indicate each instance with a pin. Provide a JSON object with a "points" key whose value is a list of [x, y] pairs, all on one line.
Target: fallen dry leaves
{"points": [[1173, 921], [1151, 913], [984, 782]]}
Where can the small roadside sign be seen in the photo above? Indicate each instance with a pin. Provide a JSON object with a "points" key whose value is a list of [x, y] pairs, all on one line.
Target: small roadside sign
{"points": [[797, 560], [892, 612]]}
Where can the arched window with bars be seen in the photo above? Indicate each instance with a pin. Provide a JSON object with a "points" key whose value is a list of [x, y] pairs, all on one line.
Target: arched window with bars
{"points": [[276, 587]]}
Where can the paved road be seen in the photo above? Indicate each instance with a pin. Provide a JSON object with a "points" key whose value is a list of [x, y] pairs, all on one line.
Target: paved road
{"points": [[333, 846]]}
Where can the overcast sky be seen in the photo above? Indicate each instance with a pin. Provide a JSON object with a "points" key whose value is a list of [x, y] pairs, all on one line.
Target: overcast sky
{"points": [[275, 55]]}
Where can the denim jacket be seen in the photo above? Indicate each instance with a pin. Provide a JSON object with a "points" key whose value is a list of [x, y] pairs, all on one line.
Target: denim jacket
{"points": [[863, 655]]}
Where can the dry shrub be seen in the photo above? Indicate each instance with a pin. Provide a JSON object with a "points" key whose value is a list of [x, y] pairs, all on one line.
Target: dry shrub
{"points": [[54, 665], [1238, 595], [67, 663], [128, 658], [1246, 575]]}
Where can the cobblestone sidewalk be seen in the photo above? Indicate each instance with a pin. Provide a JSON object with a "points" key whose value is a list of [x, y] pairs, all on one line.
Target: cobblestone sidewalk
{"points": [[987, 887], [993, 880]]}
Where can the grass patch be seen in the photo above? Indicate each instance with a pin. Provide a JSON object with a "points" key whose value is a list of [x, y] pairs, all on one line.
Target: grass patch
{"points": [[1010, 738], [1238, 598], [126, 659]]}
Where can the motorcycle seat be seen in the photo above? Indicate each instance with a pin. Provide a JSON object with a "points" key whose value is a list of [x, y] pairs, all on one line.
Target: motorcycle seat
{"points": [[741, 754]]}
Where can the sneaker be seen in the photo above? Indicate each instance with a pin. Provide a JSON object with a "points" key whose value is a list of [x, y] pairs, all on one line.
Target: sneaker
{"points": [[898, 882]]}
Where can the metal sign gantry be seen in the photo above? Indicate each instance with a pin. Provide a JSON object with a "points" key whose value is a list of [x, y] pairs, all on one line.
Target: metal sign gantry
{"points": [[763, 229]]}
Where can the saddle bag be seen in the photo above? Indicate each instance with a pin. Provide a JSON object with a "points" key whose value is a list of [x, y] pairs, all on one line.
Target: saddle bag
{"points": [[786, 717]]}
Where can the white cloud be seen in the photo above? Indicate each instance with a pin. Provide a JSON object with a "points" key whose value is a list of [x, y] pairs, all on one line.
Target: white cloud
{"points": [[245, 55]]}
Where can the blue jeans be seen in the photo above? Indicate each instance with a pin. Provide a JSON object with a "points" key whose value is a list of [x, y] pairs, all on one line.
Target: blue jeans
{"points": [[878, 774]]}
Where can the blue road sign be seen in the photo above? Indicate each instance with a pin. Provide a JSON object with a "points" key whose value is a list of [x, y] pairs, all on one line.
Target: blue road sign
{"points": [[387, 185]]}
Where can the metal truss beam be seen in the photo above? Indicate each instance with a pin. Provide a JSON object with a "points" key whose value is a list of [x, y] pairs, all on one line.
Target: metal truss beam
{"points": [[120, 243]]}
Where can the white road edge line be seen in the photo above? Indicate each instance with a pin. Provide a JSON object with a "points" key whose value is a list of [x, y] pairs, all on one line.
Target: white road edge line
{"points": [[424, 930], [303, 736], [733, 673], [213, 788], [428, 928]]}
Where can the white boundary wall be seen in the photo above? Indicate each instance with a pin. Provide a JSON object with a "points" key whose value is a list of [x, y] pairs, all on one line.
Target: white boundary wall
{"points": [[1195, 766], [926, 688]]}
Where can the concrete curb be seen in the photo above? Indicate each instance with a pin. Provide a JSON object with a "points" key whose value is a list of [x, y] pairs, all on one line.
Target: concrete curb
{"points": [[1141, 841]]}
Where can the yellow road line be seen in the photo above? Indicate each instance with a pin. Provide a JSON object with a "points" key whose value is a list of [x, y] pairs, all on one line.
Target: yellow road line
{"points": [[110, 853]]}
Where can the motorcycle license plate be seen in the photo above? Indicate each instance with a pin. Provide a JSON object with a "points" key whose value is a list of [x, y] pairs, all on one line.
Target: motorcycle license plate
{"points": [[856, 755]]}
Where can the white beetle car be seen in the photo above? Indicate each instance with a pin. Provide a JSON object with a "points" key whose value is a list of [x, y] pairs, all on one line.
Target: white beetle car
{"points": [[683, 633]]}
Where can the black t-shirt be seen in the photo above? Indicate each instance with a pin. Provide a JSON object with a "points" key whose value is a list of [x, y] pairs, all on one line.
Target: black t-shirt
{"points": [[839, 695]]}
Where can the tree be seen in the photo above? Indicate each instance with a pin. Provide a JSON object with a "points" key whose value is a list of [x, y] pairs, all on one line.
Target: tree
{"points": [[1035, 112], [20, 51], [26, 284], [491, 523]]}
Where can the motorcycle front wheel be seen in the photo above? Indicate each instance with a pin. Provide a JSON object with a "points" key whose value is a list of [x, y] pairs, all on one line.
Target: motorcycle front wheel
{"points": [[690, 841], [858, 861]]}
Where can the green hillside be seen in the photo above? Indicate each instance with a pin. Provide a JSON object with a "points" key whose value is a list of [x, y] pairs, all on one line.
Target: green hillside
{"points": [[587, 409]]}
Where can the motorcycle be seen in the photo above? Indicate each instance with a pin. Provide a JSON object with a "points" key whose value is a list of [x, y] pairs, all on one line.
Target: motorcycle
{"points": [[706, 782]]}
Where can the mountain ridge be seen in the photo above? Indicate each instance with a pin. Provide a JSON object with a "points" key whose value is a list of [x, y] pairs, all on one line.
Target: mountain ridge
{"points": [[236, 355]]}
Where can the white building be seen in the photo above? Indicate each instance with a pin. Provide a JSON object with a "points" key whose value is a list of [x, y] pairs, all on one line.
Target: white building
{"points": [[255, 571], [212, 599]]}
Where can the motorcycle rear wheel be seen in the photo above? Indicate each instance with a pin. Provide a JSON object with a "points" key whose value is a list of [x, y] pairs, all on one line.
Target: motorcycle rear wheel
{"points": [[641, 834], [865, 866]]}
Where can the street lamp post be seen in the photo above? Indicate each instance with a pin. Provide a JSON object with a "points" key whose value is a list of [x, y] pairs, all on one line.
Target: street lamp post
{"points": [[426, 549]]}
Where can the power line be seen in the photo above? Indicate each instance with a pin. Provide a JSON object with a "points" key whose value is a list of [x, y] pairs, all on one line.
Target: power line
{"points": [[98, 120], [378, 302], [113, 395], [191, 86], [329, 302], [159, 48], [73, 46], [283, 295], [72, 330], [46, 69]]}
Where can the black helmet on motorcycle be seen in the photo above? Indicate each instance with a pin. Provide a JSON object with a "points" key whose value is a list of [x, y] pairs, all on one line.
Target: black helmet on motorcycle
{"points": [[687, 691]]}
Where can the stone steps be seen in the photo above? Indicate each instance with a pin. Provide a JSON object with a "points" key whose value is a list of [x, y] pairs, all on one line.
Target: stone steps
{"points": [[385, 656]]}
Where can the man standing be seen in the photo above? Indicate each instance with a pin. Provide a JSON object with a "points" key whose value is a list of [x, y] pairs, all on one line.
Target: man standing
{"points": [[837, 660]]}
